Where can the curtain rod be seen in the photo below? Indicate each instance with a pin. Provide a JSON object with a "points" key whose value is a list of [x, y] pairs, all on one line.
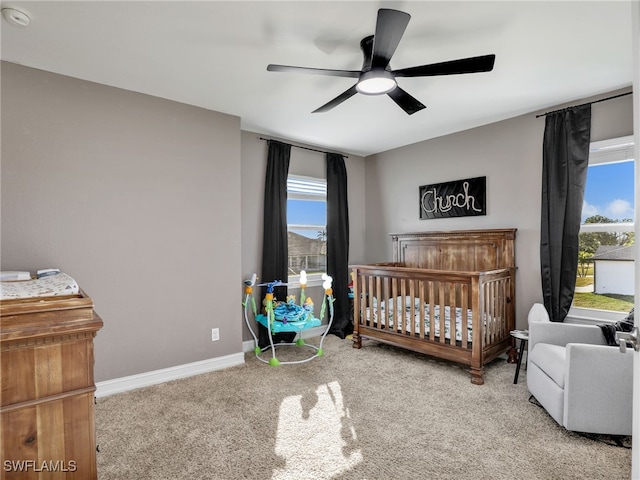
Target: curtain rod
{"points": [[299, 146], [588, 103]]}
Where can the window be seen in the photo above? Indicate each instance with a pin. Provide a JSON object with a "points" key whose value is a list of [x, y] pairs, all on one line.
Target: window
{"points": [[307, 227], [606, 264]]}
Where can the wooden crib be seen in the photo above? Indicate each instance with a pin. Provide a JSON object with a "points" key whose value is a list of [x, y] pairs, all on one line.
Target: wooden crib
{"points": [[461, 283]]}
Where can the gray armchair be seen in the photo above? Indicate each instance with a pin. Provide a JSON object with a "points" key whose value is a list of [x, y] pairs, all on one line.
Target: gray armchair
{"points": [[584, 384]]}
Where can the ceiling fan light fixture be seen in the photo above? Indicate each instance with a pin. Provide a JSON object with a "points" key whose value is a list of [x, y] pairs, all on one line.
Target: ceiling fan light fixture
{"points": [[376, 82]]}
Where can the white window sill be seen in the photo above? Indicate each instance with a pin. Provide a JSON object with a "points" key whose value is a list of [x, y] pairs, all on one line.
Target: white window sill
{"points": [[312, 281], [591, 316]]}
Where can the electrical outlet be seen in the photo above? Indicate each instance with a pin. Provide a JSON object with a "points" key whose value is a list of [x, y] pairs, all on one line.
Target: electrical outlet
{"points": [[215, 334]]}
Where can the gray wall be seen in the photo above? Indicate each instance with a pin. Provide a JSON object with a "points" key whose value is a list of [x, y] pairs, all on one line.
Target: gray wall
{"points": [[138, 199], [509, 154]]}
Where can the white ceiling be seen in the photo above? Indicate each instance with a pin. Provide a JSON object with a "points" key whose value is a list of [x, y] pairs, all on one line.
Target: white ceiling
{"points": [[214, 55]]}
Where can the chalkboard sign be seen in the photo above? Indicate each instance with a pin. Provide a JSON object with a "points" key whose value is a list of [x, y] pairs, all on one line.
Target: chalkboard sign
{"points": [[462, 198]]}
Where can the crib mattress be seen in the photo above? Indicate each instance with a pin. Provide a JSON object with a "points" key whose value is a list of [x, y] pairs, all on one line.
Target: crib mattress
{"points": [[388, 312]]}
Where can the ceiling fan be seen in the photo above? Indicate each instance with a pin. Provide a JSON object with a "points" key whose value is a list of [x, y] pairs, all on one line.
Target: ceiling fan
{"points": [[377, 77]]}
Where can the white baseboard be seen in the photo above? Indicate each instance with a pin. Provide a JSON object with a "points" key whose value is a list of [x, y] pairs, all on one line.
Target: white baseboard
{"points": [[249, 345], [132, 382]]}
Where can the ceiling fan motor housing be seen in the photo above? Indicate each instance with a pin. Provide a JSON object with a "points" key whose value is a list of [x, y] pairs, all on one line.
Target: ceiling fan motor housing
{"points": [[373, 80]]}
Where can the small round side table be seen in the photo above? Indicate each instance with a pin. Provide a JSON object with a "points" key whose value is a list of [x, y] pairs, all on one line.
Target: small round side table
{"points": [[523, 336]]}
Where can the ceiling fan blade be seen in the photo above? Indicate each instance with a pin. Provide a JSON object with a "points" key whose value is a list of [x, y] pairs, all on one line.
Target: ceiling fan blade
{"points": [[337, 101], [405, 101], [390, 27], [483, 63], [314, 71]]}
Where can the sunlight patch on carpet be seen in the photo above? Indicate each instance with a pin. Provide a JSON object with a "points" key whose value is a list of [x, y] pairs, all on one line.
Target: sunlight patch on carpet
{"points": [[319, 442]]}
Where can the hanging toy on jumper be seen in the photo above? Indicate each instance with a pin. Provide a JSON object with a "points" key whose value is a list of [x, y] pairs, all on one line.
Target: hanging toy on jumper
{"points": [[248, 290], [328, 291]]}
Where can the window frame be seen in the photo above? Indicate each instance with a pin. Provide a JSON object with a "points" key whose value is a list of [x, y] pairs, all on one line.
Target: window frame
{"points": [[613, 150], [314, 189]]}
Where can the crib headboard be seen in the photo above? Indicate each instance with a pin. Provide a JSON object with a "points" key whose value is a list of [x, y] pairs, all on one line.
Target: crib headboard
{"points": [[462, 250]]}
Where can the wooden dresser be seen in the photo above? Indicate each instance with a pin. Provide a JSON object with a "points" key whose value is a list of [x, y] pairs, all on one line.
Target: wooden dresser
{"points": [[47, 388]]}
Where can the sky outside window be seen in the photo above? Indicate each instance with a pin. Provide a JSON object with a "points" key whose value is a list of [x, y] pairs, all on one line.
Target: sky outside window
{"points": [[609, 191], [304, 212]]}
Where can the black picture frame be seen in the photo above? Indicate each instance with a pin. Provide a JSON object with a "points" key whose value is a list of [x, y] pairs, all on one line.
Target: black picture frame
{"points": [[459, 198]]}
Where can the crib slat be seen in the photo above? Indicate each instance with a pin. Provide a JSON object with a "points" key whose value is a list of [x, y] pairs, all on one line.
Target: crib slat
{"points": [[432, 308], [359, 295], [394, 289], [365, 299], [421, 326], [379, 298], [411, 323], [442, 313], [503, 304], [452, 313], [373, 298], [487, 313], [400, 303], [494, 311], [464, 305], [388, 313]]}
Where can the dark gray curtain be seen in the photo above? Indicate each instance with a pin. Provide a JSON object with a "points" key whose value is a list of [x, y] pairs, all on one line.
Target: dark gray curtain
{"points": [[338, 243], [275, 243], [567, 136]]}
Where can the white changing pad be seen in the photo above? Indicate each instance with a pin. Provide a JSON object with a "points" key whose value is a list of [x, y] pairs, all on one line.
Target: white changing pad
{"points": [[52, 286]]}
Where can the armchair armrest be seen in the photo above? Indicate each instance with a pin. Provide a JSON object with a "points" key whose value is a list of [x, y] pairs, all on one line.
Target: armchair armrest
{"points": [[561, 334], [598, 390]]}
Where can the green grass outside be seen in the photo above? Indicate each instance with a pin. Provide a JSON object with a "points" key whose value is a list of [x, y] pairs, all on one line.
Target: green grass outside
{"points": [[584, 281], [612, 302], [616, 303]]}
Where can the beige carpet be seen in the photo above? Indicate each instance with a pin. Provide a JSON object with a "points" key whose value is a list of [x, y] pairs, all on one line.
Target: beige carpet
{"points": [[372, 414]]}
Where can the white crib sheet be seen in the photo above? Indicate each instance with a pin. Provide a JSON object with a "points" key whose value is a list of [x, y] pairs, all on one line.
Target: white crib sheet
{"points": [[427, 317]]}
